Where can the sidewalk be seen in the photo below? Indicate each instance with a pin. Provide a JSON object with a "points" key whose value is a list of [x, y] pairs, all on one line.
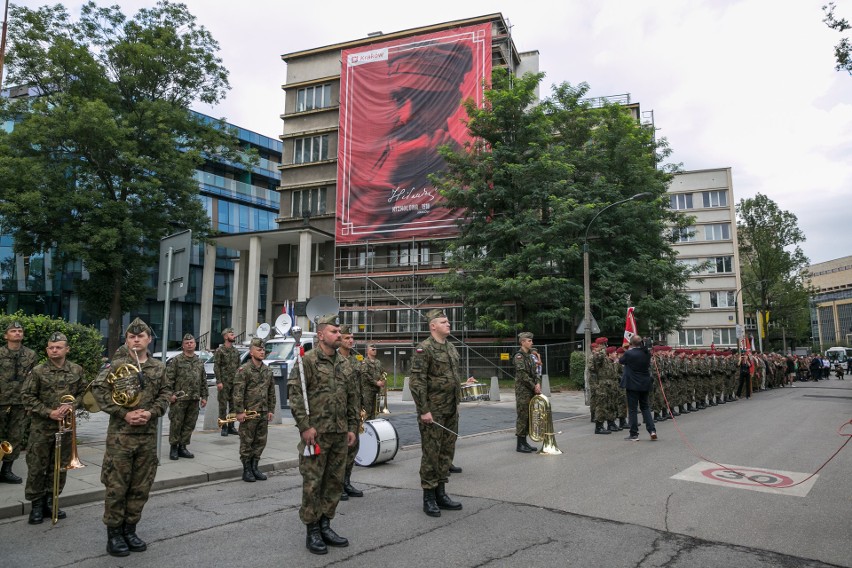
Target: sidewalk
{"points": [[216, 457]]}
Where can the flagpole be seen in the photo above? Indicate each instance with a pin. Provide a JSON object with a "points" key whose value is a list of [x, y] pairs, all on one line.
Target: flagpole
{"points": [[3, 42]]}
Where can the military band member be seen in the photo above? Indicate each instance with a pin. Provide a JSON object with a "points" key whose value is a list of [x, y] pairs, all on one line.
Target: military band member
{"points": [[347, 341], [527, 385], [254, 391], [328, 426], [372, 381], [130, 456], [188, 384], [226, 361], [436, 388], [16, 361], [42, 394]]}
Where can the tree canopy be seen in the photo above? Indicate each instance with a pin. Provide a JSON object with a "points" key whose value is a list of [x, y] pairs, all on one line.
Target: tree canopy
{"points": [[529, 187], [843, 49], [99, 166]]}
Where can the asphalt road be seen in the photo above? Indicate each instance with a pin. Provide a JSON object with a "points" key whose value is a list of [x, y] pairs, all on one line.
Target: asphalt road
{"points": [[604, 503]]}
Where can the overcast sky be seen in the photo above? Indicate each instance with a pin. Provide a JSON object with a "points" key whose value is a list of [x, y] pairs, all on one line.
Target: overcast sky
{"points": [[745, 84]]}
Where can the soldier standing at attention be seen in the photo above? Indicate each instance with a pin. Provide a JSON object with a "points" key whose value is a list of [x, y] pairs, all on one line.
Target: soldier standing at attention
{"points": [[226, 361], [42, 394], [16, 361], [347, 341], [527, 385], [326, 414], [596, 385], [372, 381], [130, 456], [186, 377], [436, 389], [254, 390]]}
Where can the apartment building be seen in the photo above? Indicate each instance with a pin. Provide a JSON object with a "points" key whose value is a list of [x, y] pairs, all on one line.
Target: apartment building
{"points": [[831, 302]]}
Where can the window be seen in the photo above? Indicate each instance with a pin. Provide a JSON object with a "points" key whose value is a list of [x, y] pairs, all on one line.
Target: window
{"points": [[683, 235], [720, 264], [717, 232], [310, 149], [695, 298], [690, 337], [681, 201], [310, 98], [693, 264], [724, 299], [408, 254], [715, 198], [318, 260], [725, 336], [310, 200]]}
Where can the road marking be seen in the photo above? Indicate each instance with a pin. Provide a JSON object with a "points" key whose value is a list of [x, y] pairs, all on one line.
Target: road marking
{"points": [[744, 477]]}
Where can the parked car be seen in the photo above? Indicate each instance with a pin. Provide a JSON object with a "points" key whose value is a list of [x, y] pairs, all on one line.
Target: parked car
{"points": [[205, 356], [208, 365]]}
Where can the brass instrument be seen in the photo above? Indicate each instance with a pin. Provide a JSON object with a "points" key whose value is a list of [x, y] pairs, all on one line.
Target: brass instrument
{"points": [[363, 417], [179, 395], [382, 398], [232, 417], [126, 385], [5, 448], [68, 424], [541, 425]]}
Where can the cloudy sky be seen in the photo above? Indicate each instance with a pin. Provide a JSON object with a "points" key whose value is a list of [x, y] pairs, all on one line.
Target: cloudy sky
{"points": [[745, 84]]}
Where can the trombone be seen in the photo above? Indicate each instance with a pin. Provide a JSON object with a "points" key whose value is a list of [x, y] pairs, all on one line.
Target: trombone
{"points": [[68, 424], [232, 417]]}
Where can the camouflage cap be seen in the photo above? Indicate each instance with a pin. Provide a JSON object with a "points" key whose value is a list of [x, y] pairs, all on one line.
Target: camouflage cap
{"points": [[328, 319], [14, 325], [188, 337], [345, 329], [435, 314], [228, 330], [256, 342], [137, 326], [525, 335], [57, 336]]}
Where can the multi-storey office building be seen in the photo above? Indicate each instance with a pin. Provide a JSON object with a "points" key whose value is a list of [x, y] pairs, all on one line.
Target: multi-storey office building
{"points": [[831, 302]]}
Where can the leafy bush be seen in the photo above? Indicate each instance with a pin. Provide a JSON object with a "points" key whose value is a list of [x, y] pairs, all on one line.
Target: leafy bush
{"points": [[577, 366]]}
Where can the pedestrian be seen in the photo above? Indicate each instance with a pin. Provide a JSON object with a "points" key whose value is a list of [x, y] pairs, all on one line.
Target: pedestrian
{"points": [[187, 381], [745, 377], [226, 361], [436, 389], [16, 361], [373, 382], [254, 404], [636, 380], [134, 399], [527, 385], [325, 406], [347, 342], [44, 395]]}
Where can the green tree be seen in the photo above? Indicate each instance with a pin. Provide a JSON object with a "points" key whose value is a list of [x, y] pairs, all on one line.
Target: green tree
{"points": [[772, 266], [529, 186], [843, 50], [100, 163]]}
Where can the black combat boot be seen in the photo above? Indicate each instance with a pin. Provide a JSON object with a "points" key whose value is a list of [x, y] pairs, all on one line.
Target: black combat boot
{"points": [[344, 496], [599, 428], [183, 452], [313, 540], [224, 430], [232, 429], [6, 475], [684, 408], [248, 474], [37, 512], [116, 545], [622, 423], [134, 543], [328, 535], [455, 469], [443, 500], [522, 445], [430, 507], [258, 475], [612, 426], [47, 510], [173, 452], [349, 489]]}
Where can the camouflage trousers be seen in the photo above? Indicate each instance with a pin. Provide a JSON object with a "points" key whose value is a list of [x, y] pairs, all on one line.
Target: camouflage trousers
{"points": [[14, 423], [322, 477], [351, 454], [224, 399], [253, 435], [183, 414], [40, 470], [437, 449], [522, 409], [129, 467]]}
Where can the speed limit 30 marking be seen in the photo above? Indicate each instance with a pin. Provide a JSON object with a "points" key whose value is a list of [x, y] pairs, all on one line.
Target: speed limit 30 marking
{"points": [[745, 477]]}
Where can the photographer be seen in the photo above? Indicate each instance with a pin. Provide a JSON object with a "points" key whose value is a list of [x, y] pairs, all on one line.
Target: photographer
{"points": [[636, 379]]}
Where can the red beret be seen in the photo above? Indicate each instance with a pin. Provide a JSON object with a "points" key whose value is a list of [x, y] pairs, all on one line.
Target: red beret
{"points": [[620, 350], [610, 350], [601, 340]]}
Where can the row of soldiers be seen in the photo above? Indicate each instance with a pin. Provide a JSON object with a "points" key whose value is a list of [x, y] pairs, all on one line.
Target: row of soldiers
{"points": [[691, 380]]}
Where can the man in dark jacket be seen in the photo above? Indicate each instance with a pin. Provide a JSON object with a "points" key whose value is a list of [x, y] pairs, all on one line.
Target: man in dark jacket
{"points": [[636, 379]]}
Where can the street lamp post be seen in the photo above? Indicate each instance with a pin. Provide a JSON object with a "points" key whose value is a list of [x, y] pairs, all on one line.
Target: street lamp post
{"points": [[587, 300]]}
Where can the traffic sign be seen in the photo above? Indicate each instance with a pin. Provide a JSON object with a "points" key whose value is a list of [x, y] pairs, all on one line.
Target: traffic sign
{"points": [[582, 327]]}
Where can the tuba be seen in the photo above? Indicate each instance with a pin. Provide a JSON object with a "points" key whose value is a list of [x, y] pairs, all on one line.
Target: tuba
{"points": [[541, 425]]}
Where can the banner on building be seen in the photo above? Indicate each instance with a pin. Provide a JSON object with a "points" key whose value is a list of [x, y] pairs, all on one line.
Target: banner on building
{"points": [[399, 102]]}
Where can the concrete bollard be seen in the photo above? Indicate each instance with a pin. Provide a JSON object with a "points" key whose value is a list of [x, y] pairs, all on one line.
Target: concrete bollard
{"points": [[545, 385], [211, 411], [406, 390], [494, 393], [276, 414]]}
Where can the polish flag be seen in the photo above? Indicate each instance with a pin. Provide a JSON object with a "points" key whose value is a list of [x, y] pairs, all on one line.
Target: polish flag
{"points": [[629, 327]]}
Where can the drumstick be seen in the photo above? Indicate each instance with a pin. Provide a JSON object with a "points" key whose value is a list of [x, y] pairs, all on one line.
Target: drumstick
{"points": [[445, 428]]}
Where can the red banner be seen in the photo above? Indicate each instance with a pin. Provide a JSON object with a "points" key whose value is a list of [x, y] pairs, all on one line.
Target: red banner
{"points": [[399, 101], [629, 327]]}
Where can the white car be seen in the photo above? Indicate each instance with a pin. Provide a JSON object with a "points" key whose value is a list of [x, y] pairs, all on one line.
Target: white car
{"points": [[205, 356]]}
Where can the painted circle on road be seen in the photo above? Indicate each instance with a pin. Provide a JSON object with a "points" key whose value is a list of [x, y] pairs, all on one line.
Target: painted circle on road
{"points": [[747, 476]]}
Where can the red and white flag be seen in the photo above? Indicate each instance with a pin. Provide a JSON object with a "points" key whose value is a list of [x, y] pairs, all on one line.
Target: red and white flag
{"points": [[629, 327]]}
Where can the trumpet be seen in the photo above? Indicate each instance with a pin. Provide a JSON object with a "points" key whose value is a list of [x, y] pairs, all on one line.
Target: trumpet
{"points": [[232, 417]]}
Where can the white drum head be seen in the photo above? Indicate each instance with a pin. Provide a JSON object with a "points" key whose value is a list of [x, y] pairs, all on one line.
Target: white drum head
{"points": [[378, 443]]}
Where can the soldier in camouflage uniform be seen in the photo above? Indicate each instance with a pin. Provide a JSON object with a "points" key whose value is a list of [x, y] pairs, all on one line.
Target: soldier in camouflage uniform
{"points": [[42, 392], [436, 388], [596, 394], [188, 384], [347, 341], [328, 424], [130, 456], [226, 361], [612, 394], [16, 361], [254, 389], [372, 381], [527, 385]]}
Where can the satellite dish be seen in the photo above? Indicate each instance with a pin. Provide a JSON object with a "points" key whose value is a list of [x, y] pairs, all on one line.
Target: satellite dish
{"points": [[262, 331], [320, 306], [283, 323]]}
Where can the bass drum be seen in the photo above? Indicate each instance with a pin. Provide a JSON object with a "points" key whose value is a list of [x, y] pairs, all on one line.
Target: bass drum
{"points": [[379, 443]]}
